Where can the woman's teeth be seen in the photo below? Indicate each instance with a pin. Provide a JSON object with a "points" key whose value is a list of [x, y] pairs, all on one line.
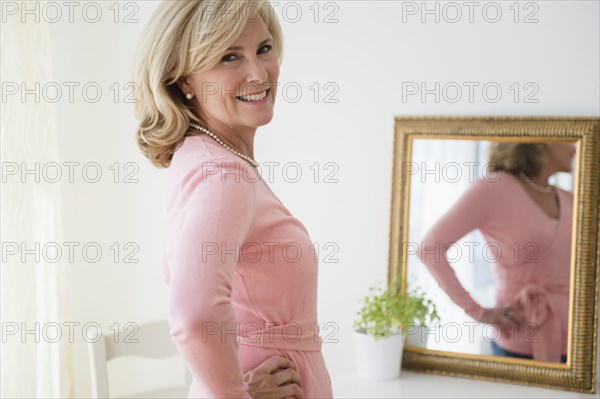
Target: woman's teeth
{"points": [[254, 97]]}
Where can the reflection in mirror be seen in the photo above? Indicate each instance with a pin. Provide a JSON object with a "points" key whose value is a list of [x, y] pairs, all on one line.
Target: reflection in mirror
{"points": [[490, 240]]}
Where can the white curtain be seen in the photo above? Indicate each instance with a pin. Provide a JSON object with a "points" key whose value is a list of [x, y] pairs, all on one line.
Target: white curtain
{"points": [[440, 177], [35, 361]]}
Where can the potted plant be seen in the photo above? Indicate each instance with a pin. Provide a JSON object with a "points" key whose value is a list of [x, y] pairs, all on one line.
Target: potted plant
{"points": [[425, 314], [379, 332]]}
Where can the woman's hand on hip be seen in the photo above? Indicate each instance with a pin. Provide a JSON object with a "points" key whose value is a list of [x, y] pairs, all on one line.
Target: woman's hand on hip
{"points": [[504, 317], [275, 378]]}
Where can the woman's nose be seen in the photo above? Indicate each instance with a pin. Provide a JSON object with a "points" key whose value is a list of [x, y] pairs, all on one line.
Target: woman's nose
{"points": [[256, 71]]}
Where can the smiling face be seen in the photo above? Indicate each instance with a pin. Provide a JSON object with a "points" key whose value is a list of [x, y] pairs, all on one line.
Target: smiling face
{"points": [[249, 66], [560, 156]]}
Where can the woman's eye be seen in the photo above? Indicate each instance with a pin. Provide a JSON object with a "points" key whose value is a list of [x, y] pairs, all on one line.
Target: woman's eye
{"points": [[268, 47], [264, 49], [226, 58]]}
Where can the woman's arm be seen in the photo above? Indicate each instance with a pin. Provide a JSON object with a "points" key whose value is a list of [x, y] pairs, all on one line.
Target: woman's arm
{"points": [[472, 210], [219, 207]]}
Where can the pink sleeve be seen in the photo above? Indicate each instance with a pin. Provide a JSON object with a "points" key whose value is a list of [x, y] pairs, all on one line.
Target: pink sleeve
{"points": [[472, 210], [218, 207]]}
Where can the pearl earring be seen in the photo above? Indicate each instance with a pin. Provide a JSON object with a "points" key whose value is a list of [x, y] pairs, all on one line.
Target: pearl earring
{"points": [[189, 96]]}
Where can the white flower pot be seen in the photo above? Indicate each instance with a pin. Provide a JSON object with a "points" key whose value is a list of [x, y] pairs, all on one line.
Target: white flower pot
{"points": [[378, 360]]}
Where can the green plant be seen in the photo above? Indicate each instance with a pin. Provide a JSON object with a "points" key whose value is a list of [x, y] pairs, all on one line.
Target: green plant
{"points": [[390, 311]]}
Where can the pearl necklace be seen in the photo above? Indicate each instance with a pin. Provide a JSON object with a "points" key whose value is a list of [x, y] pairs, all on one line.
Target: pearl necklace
{"points": [[535, 186], [218, 140]]}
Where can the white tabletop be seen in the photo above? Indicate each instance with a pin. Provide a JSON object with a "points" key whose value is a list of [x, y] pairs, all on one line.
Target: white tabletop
{"points": [[346, 384]]}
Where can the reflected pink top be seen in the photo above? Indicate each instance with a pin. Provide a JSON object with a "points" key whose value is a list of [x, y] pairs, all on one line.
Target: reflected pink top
{"points": [[531, 254], [242, 275]]}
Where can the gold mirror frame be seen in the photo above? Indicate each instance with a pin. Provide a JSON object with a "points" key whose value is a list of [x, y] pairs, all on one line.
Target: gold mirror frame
{"points": [[579, 373]]}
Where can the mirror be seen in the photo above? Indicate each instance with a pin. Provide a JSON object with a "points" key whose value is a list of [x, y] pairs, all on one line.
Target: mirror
{"points": [[496, 218], [485, 232]]}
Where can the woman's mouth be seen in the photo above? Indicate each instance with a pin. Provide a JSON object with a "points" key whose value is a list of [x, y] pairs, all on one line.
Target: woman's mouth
{"points": [[259, 98]]}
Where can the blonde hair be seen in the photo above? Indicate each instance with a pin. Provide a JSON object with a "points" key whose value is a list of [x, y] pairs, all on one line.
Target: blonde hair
{"points": [[516, 157], [185, 37]]}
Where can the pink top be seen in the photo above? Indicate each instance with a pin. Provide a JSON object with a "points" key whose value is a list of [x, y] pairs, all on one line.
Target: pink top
{"points": [[242, 275], [531, 254]]}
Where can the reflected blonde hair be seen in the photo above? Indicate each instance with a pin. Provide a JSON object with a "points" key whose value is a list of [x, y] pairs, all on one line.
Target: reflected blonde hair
{"points": [[185, 37], [516, 157]]}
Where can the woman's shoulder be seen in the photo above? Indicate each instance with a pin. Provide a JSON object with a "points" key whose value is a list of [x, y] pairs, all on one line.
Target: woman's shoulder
{"points": [[495, 181], [500, 176], [203, 152], [199, 158], [198, 147], [492, 188]]}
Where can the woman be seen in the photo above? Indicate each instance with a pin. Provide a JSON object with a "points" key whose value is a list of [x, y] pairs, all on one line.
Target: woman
{"points": [[529, 222], [242, 306]]}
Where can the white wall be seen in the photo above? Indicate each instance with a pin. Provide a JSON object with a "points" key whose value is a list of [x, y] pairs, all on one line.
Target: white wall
{"points": [[368, 55]]}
